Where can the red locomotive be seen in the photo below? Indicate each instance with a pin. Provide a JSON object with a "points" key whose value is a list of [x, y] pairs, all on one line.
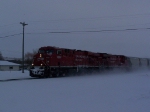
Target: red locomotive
{"points": [[54, 62]]}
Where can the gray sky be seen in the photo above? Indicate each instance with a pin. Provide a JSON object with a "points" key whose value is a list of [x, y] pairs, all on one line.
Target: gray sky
{"points": [[94, 25]]}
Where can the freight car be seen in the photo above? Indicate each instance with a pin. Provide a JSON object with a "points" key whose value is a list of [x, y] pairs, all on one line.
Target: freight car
{"points": [[54, 62]]}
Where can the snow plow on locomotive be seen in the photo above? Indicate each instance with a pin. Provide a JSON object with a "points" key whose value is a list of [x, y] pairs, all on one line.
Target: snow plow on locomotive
{"points": [[55, 62]]}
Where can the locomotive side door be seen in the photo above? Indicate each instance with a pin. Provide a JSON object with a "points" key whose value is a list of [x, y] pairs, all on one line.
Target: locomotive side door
{"points": [[50, 54], [59, 56]]}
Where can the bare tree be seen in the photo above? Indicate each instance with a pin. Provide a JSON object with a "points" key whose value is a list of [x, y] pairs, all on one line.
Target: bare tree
{"points": [[29, 56], [1, 56]]}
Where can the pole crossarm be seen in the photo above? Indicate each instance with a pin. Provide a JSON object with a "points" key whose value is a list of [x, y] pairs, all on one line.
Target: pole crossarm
{"points": [[23, 23]]}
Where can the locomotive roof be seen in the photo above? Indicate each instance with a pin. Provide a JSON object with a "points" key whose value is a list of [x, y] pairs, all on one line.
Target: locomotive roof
{"points": [[53, 47], [47, 47], [89, 52]]}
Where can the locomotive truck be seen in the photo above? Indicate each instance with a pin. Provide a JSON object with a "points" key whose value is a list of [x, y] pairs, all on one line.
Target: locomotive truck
{"points": [[54, 62]]}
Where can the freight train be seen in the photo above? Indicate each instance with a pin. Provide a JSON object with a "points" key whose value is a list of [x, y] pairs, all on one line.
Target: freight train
{"points": [[55, 62]]}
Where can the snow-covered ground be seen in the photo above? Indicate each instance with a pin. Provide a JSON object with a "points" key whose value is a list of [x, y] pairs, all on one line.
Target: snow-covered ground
{"points": [[105, 92]]}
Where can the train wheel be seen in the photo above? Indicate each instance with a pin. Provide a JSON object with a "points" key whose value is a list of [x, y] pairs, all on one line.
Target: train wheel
{"points": [[50, 75], [56, 74], [63, 74]]}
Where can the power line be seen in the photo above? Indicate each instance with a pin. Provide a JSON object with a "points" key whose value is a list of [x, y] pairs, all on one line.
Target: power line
{"points": [[11, 35], [92, 31], [87, 31], [9, 25]]}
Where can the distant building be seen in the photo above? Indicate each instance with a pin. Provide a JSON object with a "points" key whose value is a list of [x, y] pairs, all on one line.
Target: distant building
{"points": [[9, 66]]}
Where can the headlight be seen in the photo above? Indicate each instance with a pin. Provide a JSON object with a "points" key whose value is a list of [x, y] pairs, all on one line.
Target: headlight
{"points": [[40, 55]]}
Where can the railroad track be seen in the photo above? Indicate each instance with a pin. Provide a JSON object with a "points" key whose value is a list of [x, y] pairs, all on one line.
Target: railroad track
{"points": [[17, 79]]}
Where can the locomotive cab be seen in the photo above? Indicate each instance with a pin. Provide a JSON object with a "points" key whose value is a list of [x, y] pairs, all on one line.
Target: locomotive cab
{"points": [[51, 62], [41, 62]]}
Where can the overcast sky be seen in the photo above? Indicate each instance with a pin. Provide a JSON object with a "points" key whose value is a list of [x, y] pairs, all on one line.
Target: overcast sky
{"points": [[94, 25]]}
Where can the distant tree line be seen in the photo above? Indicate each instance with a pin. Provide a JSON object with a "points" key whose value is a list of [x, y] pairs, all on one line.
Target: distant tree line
{"points": [[27, 58]]}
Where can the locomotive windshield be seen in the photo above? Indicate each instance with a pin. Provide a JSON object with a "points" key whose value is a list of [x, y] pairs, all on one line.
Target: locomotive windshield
{"points": [[41, 51], [49, 51], [45, 51]]}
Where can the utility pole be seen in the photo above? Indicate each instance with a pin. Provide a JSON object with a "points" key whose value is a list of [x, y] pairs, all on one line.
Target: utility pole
{"points": [[23, 24]]}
